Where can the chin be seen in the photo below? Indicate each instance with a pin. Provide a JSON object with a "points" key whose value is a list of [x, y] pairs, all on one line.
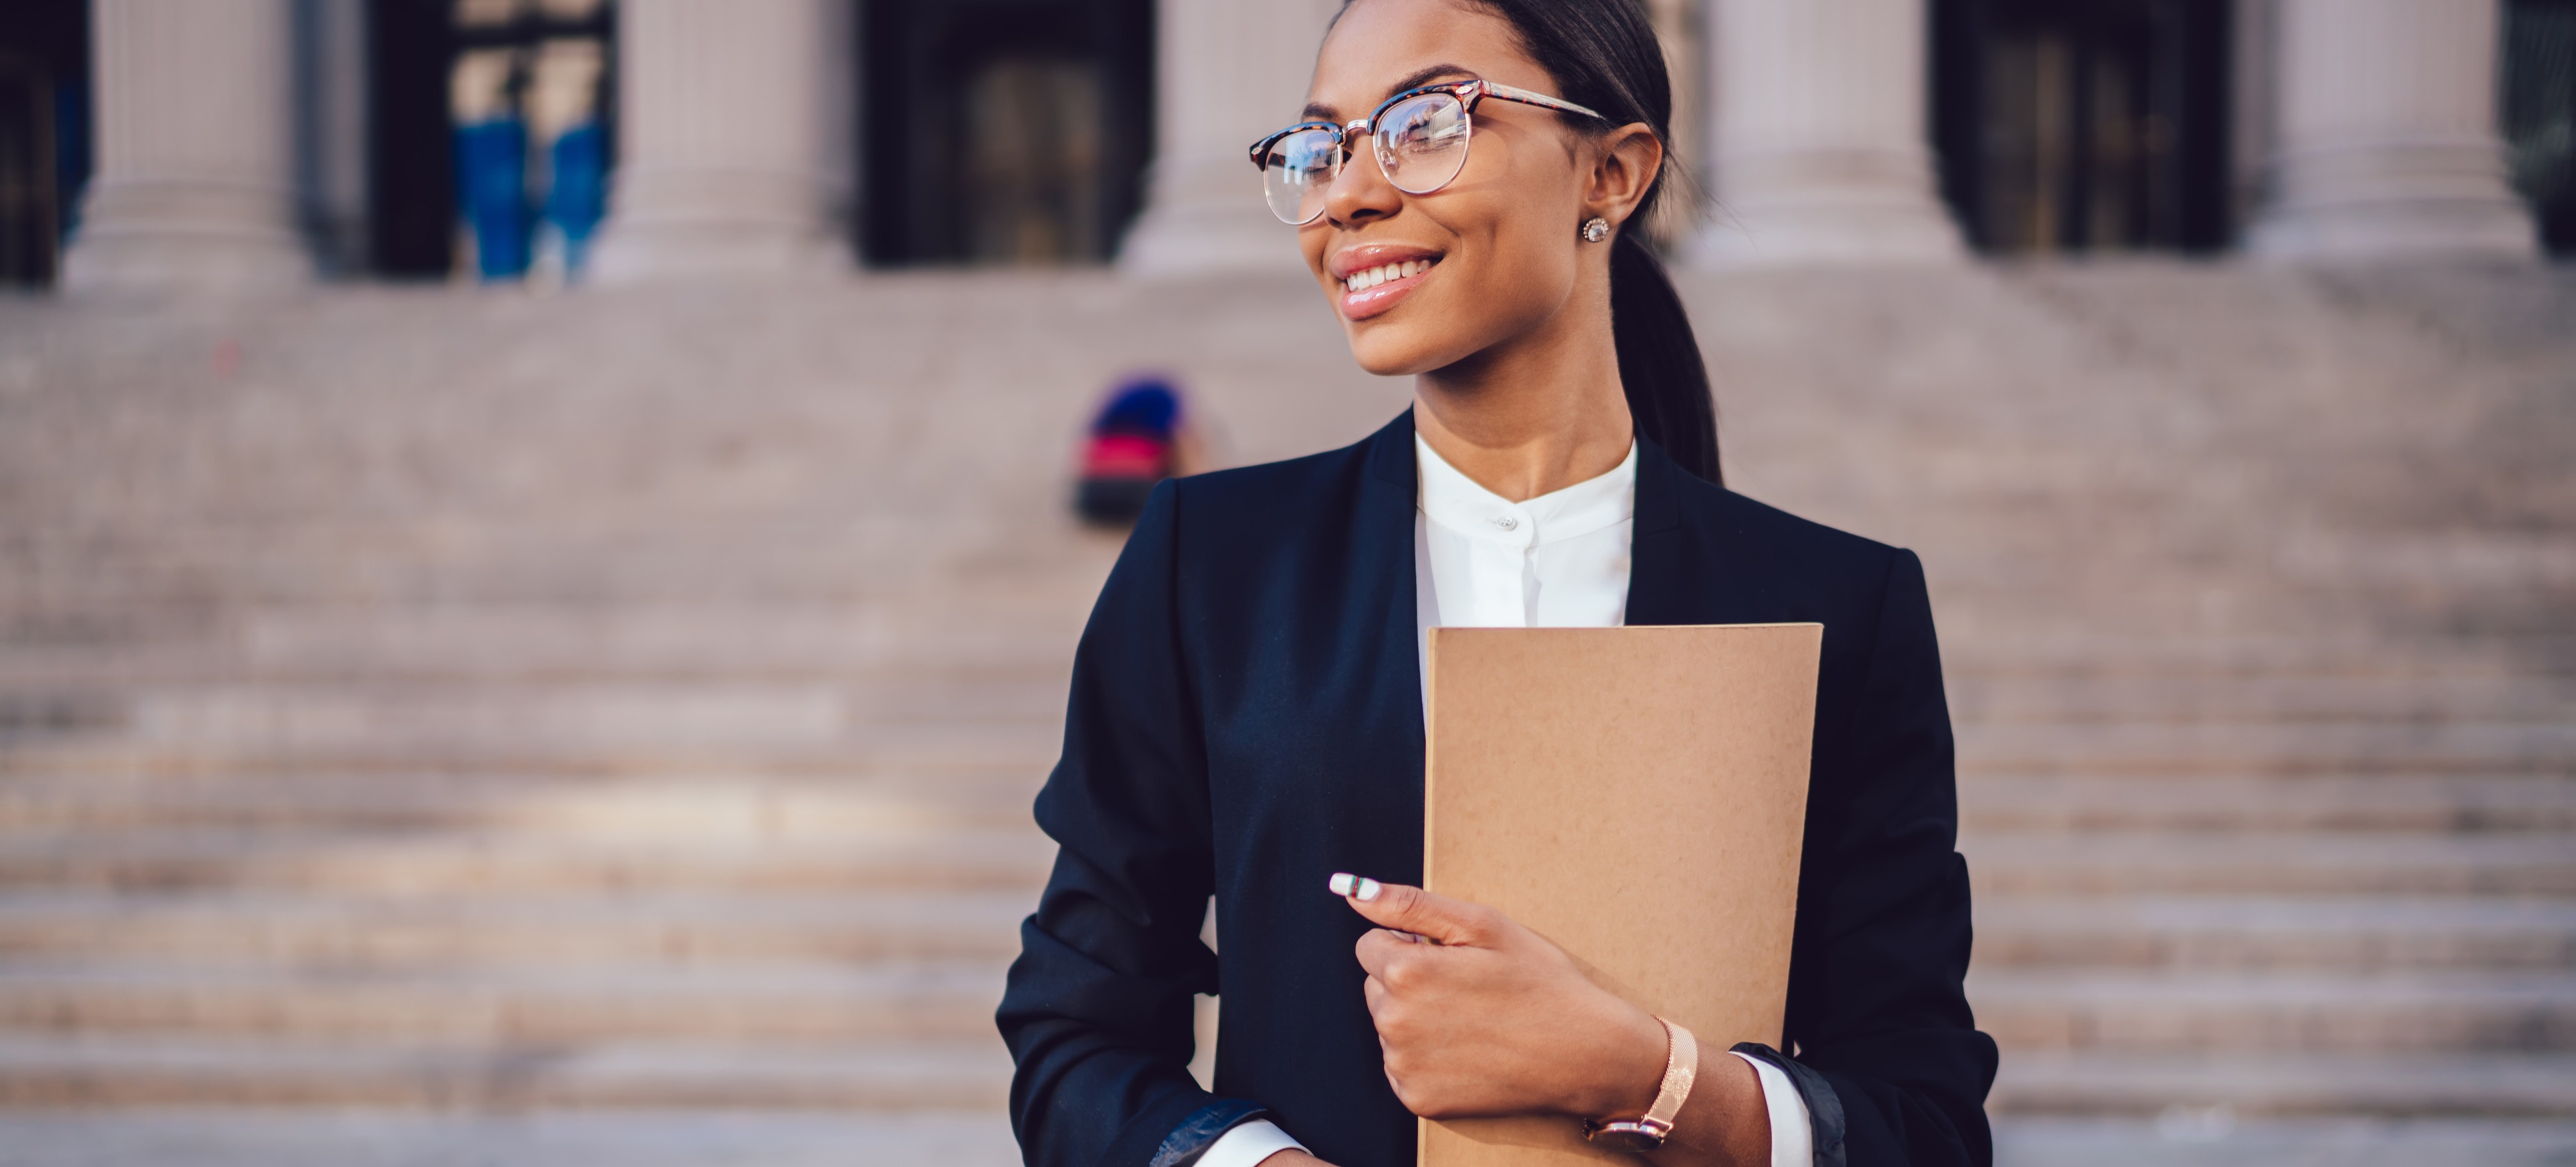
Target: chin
{"points": [[1384, 351]]}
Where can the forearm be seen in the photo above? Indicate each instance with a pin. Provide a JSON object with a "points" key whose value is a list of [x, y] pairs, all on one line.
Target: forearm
{"points": [[1724, 1122]]}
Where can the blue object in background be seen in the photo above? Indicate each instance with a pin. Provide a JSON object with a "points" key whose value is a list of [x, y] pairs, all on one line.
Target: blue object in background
{"points": [[579, 196], [1146, 405], [492, 194]]}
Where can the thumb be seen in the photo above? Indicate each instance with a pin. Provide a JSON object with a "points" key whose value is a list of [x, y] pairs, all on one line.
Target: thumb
{"points": [[1400, 908]]}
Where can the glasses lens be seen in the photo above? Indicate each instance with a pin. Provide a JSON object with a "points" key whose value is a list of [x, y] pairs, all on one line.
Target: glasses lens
{"points": [[1297, 172], [1422, 142]]}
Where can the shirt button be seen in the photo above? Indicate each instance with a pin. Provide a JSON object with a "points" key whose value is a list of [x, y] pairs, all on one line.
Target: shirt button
{"points": [[1507, 522]]}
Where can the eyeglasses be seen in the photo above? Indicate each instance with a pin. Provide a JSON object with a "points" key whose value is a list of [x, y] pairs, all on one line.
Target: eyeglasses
{"points": [[1420, 136]]}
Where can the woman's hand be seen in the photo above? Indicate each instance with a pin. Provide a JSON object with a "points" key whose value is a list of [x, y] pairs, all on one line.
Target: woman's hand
{"points": [[1489, 1018]]}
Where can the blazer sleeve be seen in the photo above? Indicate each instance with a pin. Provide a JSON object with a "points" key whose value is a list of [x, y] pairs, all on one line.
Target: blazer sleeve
{"points": [[1097, 1010], [1877, 1005]]}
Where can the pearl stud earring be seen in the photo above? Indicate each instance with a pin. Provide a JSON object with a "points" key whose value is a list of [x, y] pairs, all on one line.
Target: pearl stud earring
{"points": [[1596, 229]]}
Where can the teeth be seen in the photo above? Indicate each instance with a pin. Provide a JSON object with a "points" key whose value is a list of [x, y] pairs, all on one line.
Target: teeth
{"points": [[1361, 281]]}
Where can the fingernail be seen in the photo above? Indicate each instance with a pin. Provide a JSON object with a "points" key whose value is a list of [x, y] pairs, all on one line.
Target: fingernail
{"points": [[1368, 890], [1342, 883]]}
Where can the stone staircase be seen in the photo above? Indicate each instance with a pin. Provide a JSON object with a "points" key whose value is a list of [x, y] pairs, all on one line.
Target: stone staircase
{"points": [[2279, 886], [549, 883], [524, 723]]}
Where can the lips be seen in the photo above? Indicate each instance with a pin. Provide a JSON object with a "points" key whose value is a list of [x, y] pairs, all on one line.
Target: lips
{"points": [[1375, 276]]}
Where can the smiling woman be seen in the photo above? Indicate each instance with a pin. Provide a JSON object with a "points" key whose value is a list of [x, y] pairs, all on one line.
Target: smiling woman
{"points": [[1246, 719]]}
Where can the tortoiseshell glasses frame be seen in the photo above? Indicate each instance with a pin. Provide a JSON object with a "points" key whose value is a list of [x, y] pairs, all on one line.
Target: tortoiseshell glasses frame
{"points": [[1422, 149]]}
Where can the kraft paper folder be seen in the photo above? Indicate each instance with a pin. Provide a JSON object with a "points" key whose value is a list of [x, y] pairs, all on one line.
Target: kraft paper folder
{"points": [[1637, 795]]}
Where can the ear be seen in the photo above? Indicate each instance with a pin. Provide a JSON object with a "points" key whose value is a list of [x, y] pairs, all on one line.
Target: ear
{"points": [[1624, 167]]}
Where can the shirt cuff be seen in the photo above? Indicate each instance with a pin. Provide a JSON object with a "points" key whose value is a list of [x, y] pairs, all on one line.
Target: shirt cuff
{"points": [[1250, 1143], [1793, 1138]]}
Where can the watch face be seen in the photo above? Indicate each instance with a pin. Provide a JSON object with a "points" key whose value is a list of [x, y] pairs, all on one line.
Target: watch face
{"points": [[1627, 1136]]}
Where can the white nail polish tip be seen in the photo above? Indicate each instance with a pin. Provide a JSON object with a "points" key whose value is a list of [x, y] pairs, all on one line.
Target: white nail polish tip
{"points": [[1343, 883], [1368, 890]]}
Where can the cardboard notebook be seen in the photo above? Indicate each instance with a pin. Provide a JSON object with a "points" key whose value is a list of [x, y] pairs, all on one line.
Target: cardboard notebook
{"points": [[1637, 795]]}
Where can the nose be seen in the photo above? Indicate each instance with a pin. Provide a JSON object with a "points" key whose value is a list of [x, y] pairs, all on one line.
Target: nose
{"points": [[1361, 192]]}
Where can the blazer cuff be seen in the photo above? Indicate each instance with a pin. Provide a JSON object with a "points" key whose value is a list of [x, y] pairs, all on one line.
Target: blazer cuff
{"points": [[1824, 1107], [1202, 1129]]}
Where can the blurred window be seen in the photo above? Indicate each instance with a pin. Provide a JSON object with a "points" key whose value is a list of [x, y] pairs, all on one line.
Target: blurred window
{"points": [[2099, 126], [492, 135], [1009, 132], [44, 134], [2540, 113]]}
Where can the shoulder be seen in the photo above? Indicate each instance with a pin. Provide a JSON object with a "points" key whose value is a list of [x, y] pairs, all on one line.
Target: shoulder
{"points": [[1275, 505], [1801, 549], [1273, 486]]}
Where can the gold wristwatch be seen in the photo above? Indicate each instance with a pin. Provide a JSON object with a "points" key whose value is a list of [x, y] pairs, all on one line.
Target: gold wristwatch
{"points": [[1681, 1068]]}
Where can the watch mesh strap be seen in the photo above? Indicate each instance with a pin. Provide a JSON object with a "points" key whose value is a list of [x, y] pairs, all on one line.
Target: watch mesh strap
{"points": [[1681, 1068]]}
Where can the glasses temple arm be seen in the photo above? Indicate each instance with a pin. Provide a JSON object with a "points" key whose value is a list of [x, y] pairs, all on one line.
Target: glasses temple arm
{"points": [[1527, 97]]}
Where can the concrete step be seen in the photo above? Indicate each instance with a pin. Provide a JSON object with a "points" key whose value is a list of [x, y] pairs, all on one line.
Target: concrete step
{"points": [[701, 807], [2025, 932], [2411, 1084], [2012, 650], [813, 1004], [2124, 863], [91, 1070], [751, 1135], [395, 864], [2217, 748], [53, 762], [934, 749], [2306, 1011], [623, 716], [2285, 698], [292, 934], [2216, 1136], [2375, 802]]}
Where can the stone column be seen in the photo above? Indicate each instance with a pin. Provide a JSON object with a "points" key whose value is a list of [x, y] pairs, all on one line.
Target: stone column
{"points": [[1227, 71], [1819, 146], [2384, 138], [331, 127], [195, 179], [724, 140]]}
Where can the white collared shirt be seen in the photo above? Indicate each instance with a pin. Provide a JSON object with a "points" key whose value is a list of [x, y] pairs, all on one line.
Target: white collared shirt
{"points": [[1556, 561]]}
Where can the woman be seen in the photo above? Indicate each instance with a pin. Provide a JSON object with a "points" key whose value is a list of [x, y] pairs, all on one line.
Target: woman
{"points": [[1246, 715]]}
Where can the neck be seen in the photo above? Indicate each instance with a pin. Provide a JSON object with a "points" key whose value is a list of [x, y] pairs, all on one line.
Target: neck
{"points": [[1534, 415]]}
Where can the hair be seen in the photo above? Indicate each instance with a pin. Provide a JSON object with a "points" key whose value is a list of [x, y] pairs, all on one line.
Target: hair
{"points": [[1603, 54]]}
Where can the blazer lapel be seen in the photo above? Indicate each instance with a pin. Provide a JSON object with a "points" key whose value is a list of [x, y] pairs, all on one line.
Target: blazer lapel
{"points": [[1385, 533], [1660, 584]]}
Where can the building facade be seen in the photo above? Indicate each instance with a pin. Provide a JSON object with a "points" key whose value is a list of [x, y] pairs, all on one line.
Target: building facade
{"points": [[245, 143]]}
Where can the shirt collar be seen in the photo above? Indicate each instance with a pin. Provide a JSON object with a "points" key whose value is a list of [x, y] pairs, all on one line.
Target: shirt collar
{"points": [[1453, 500]]}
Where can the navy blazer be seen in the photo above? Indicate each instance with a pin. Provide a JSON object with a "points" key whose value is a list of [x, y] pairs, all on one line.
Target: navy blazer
{"points": [[1246, 719]]}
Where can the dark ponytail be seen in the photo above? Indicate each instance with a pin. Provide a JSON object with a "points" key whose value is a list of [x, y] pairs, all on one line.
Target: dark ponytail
{"points": [[1603, 55], [1659, 362]]}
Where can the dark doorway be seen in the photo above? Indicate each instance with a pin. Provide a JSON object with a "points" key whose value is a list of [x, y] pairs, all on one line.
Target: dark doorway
{"points": [[1002, 131], [411, 186], [2098, 125], [44, 134], [438, 66], [2540, 113]]}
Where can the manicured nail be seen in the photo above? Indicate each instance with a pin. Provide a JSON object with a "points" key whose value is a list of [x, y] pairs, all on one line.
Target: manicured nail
{"points": [[1344, 883]]}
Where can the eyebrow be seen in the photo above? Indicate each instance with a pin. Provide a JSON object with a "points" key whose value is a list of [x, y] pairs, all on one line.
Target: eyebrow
{"points": [[1316, 111]]}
